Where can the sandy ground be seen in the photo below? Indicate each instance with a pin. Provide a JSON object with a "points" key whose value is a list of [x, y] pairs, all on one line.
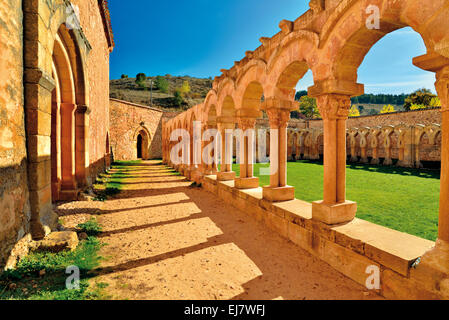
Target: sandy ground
{"points": [[166, 240]]}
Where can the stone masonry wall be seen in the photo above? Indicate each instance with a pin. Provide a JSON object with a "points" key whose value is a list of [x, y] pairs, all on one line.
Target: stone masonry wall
{"points": [[98, 80], [126, 119], [14, 203], [425, 117]]}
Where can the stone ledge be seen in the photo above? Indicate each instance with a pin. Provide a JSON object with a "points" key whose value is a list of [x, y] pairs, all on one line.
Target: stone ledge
{"points": [[396, 250]]}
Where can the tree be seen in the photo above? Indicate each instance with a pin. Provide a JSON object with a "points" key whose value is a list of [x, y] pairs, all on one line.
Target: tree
{"points": [[421, 97], [308, 107], [178, 98], [185, 87], [387, 109], [300, 94], [162, 84], [124, 76], [354, 111], [141, 79]]}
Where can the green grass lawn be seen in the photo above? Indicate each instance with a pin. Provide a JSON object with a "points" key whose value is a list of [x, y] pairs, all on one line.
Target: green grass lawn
{"points": [[398, 198]]}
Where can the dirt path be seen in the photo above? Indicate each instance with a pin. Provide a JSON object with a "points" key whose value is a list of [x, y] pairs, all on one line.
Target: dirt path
{"points": [[169, 241]]}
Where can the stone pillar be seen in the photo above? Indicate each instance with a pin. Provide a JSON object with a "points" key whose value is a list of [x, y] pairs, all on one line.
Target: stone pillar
{"points": [[82, 145], [364, 144], [375, 132], [387, 131], [247, 143], [226, 133], [278, 114], [442, 86], [352, 134], [38, 107], [68, 183], [418, 132], [334, 208]]}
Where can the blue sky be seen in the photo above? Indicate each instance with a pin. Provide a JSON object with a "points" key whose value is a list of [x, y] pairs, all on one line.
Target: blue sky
{"points": [[200, 37]]}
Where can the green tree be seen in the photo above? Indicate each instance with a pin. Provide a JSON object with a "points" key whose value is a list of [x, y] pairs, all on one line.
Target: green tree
{"points": [[354, 111], [141, 79], [419, 97], [300, 94], [162, 84], [124, 76], [308, 107], [387, 109], [178, 98]]}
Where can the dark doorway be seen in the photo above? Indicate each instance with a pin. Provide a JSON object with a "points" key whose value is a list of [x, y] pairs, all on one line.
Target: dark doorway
{"points": [[139, 146]]}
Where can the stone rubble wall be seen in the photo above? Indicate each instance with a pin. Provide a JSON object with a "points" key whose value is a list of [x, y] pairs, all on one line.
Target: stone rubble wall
{"points": [[126, 119], [14, 200]]}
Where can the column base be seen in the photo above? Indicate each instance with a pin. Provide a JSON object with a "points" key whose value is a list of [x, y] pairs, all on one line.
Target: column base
{"points": [[247, 183], [196, 176], [226, 176], [334, 213], [278, 194]]}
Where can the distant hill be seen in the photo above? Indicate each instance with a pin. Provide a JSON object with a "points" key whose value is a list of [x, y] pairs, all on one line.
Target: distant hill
{"points": [[127, 89]]}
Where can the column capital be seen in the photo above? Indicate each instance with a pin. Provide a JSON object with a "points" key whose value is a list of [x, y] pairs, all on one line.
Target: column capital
{"points": [[278, 118], [245, 123], [223, 119], [334, 106], [226, 126], [442, 87]]}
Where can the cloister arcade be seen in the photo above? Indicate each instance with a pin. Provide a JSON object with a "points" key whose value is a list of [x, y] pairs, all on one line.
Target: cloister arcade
{"points": [[331, 40]]}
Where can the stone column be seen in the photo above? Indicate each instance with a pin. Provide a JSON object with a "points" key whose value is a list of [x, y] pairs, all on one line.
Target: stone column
{"points": [[387, 131], [363, 144], [278, 114], [247, 142], [82, 145], [226, 133], [375, 132], [334, 208], [68, 183], [352, 134], [442, 86]]}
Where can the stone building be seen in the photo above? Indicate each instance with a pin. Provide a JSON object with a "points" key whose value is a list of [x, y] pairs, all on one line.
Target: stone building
{"points": [[54, 107], [136, 131]]}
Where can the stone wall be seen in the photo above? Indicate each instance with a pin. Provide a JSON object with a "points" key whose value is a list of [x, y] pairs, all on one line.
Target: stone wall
{"points": [[126, 120], [425, 117], [27, 48], [14, 202], [98, 79]]}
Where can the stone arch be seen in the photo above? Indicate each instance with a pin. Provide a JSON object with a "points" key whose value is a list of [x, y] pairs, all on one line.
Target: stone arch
{"points": [[288, 65], [345, 39], [142, 141], [251, 86]]}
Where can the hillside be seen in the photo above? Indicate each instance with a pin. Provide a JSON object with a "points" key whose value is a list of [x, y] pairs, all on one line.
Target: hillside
{"points": [[127, 89]]}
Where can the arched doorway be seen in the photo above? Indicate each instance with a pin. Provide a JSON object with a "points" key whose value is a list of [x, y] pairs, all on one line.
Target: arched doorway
{"points": [[142, 142], [139, 146]]}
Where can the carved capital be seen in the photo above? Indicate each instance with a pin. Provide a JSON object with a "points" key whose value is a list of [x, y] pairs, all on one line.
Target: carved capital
{"points": [[334, 106], [278, 118], [442, 87], [246, 123]]}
